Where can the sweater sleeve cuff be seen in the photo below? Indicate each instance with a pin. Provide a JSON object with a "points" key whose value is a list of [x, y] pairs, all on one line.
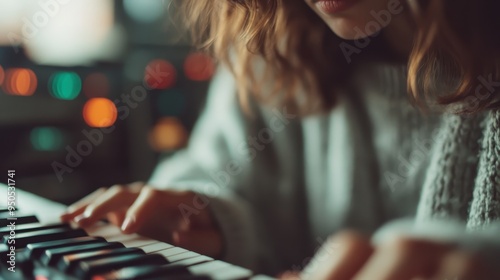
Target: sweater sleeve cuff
{"points": [[234, 220], [485, 242]]}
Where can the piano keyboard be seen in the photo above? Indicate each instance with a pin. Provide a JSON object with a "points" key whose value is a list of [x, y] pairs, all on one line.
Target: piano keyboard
{"points": [[46, 249]]}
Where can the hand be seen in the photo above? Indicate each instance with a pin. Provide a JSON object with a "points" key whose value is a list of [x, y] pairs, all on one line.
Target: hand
{"points": [[350, 255], [178, 217]]}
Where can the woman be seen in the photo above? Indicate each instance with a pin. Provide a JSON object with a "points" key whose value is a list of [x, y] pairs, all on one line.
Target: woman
{"points": [[351, 115]]}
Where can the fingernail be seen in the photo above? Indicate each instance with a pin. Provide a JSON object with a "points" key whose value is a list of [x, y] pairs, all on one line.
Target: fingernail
{"points": [[127, 224], [184, 225], [176, 238], [81, 219]]}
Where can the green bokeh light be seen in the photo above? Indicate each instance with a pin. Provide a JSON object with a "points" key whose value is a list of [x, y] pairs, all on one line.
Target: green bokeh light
{"points": [[46, 138], [65, 85]]}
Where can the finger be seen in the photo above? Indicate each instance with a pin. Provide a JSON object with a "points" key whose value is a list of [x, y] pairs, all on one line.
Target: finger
{"points": [[289, 275], [135, 186], [116, 198], [116, 218], [463, 266], [339, 258], [206, 242], [403, 259], [150, 203], [78, 207]]}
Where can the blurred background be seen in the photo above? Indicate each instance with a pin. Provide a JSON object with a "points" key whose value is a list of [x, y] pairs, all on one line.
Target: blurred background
{"points": [[94, 92]]}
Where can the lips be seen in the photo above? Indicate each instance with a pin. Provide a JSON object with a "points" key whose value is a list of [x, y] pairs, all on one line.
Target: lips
{"points": [[334, 6]]}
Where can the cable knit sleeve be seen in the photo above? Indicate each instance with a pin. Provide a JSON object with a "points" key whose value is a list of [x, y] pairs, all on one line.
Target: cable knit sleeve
{"points": [[485, 206]]}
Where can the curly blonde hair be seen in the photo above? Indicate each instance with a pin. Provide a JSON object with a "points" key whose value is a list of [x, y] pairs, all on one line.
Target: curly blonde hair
{"points": [[456, 43]]}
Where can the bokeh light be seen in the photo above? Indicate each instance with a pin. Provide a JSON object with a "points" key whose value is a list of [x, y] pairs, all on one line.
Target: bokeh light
{"points": [[168, 134], [170, 103], [65, 85], [160, 74], [144, 11], [47, 138], [96, 85], [20, 81], [99, 112], [199, 67], [2, 75]]}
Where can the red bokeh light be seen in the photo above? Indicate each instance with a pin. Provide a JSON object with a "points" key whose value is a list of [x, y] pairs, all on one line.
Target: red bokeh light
{"points": [[160, 74], [199, 67]]}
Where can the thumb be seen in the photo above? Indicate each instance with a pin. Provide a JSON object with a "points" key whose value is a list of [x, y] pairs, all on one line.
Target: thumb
{"points": [[206, 242]]}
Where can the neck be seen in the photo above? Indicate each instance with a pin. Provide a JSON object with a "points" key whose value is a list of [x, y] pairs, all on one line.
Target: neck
{"points": [[399, 35]]}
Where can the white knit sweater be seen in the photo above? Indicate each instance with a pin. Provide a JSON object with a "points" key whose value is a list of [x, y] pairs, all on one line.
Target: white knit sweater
{"points": [[280, 184]]}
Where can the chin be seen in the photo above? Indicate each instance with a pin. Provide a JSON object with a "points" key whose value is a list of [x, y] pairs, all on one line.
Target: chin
{"points": [[352, 30]]}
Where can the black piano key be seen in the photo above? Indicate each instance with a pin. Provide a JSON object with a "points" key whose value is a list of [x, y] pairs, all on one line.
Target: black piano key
{"points": [[35, 250], [177, 277], [86, 269], [145, 272], [31, 227], [19, 221], [188, 277], [26, 238], [69, 262], [52, 256]]}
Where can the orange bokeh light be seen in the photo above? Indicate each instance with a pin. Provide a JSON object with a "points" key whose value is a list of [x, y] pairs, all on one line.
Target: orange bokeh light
{"points": [[99, 112], [168, 134], [199, 67], [2, 75], [20, 81]]}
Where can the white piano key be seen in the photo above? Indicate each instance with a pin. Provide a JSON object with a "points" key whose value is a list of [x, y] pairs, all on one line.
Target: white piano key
{"points": [[207, 268], [191, 261], [30, 203], [138, 241], [182, 256], [122, 238], [230, 272], [154, 247], [171, 251], [262, 277], [104, 230]]}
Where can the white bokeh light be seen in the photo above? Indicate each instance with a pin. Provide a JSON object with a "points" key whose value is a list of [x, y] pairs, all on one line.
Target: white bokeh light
{"points": [[145, 10], [65, 32]]}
